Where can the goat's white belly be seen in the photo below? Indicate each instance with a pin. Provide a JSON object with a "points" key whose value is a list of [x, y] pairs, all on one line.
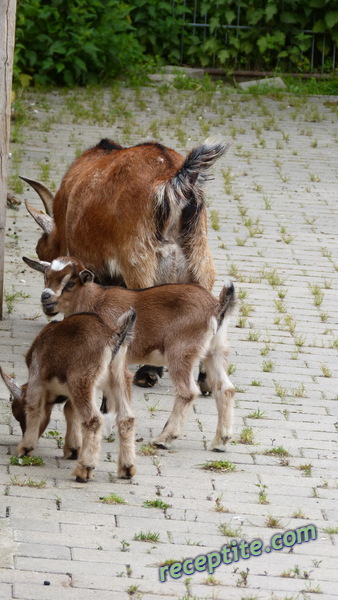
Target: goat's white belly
{"points": [[155, 358], [55, 387]]}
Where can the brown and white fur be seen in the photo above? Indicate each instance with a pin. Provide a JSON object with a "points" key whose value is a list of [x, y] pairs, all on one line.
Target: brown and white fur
{"points": [[68, 362], [135, 214], [177, 325]]}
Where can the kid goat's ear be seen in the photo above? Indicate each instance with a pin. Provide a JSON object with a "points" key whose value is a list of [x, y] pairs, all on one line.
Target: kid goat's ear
{"points": [[86, 276]]}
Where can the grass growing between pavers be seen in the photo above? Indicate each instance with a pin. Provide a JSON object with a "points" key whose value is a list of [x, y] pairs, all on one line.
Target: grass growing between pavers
{"points": [[28, 482], [113, 499], [25, 461], [219, 466], [156, 504], [147, 536]]}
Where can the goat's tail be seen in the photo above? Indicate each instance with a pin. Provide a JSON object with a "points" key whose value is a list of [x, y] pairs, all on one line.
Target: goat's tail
{"points": [[182, 194], [227, 301], [195, 169], [124, 330]]}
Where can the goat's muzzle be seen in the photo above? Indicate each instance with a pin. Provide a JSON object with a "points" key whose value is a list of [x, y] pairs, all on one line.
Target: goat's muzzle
{"points": [[48, 305]]}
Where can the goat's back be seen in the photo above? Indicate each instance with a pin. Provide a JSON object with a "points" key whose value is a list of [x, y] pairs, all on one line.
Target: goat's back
{"points": [[114, 190], [72, 345], [164, 313]]}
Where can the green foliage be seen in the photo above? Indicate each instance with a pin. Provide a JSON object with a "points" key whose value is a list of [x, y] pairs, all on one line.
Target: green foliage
{"points": [[158, 26], [25, 461], [90, 41], [274, 37], [78, 42]]}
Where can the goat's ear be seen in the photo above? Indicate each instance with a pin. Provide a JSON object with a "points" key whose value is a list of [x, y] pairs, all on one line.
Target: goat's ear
{"points": [[125, 325], [14, 389], [38, 265], [86, 276]]}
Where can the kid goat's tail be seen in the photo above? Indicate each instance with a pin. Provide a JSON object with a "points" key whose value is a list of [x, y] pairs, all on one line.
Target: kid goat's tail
{"points": [[227, 301]]}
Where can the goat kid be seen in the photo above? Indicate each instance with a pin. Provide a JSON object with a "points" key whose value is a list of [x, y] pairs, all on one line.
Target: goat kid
{"points": [[67, 362], [177, 325]]}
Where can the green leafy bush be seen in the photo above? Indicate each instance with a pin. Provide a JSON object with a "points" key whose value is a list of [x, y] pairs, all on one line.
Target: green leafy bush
{"points": [[77, 42], [159, 27], [271, 34], [90, 41]]}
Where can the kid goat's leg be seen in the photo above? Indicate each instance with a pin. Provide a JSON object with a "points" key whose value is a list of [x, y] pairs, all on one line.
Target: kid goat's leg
{"points": [[118, 399], [91, 423], [186, 392], [73, 438], [223, 391], [37, 418]]}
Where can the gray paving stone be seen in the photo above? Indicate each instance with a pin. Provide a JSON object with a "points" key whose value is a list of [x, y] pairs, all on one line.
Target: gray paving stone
{"points": [[6, 592]]}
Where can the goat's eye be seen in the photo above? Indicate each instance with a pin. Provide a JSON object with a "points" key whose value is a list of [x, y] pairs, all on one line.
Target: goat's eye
{"points": [[69, 285]]}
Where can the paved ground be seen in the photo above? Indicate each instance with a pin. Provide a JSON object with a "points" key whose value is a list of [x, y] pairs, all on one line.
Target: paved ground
{"points": [[273, 223]]}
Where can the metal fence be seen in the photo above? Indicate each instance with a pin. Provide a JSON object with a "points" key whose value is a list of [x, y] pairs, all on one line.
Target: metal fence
{"points": [[320, 54]]}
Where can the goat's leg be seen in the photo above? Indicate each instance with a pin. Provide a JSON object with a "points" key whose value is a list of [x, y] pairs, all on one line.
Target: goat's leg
{"points": [[199, 258], [91, 424], [184, 397], [73, 438], [118, 398], [127, 456], [142, 277], [36, 420], [223, 391]]}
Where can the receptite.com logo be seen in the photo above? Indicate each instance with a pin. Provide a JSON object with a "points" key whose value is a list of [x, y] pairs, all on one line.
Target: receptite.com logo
{"points": [[236, 551]]}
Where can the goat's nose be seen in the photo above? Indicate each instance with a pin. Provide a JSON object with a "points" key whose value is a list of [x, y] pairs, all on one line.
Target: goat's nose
{"points": [[45, 295]]}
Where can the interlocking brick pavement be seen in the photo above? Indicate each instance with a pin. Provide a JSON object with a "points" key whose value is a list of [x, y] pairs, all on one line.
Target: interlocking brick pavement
{"points": [[273, 227]]}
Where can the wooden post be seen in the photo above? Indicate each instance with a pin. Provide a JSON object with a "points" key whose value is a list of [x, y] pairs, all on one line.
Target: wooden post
{"points": [[7, 34]]}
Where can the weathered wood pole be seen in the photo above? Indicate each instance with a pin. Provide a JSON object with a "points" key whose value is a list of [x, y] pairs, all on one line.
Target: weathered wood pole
{"points": [[7, 34]]}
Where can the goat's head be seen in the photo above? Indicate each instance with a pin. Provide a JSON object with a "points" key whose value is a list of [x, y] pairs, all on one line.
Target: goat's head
{"points": [[17, 398], [63, 277]]}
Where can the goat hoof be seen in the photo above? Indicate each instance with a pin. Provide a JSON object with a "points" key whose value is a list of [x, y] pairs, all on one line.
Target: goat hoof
{"points": [[162, 445], [147, 376], [220, 445], [20, 452], [127, 472], [83, 474], [90, 473]]}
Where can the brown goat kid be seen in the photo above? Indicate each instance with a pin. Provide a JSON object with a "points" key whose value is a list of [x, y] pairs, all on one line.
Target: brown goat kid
{"points": [[177, 325], [68, 361]]}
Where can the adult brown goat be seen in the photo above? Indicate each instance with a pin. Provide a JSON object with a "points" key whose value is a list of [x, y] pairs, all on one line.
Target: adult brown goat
{"points": [[133, 215], [176, 325], [136, 213]]}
